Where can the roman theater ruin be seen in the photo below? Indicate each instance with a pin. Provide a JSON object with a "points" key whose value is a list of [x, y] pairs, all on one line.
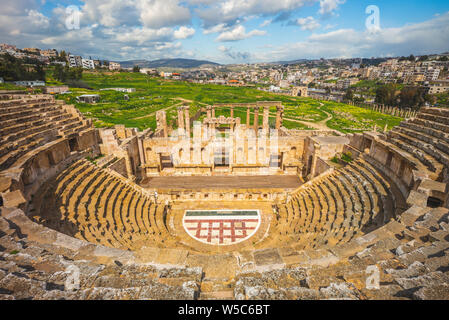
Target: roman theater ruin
{"points": [[220, 209]]}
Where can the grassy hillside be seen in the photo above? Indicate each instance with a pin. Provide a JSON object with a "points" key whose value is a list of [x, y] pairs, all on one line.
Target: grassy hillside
{"points": [[153, 94]]}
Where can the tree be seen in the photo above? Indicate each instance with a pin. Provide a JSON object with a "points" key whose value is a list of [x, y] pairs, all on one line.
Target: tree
{"points": [[386, 94], [412, 58], [13, 69], [136, 69], [64, 74], [349, 96], [413, 97]]}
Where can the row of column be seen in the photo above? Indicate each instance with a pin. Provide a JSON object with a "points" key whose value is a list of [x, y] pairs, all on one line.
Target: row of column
{"points": [[394, 111], [255, 125]]}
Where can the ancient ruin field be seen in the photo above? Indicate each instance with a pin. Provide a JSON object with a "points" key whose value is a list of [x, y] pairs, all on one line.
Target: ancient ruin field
{"points": [[153, 94]]}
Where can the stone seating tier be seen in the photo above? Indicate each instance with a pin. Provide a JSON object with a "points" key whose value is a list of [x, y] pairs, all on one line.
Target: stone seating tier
{"points": [[91, 204]]}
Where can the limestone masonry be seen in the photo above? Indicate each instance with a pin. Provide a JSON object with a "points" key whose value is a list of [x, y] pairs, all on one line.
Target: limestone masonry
{"points": [[219, 209]]}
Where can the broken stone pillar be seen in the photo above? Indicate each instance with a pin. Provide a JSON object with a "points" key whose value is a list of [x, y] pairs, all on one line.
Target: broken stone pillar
{"points": [[279, 116], [256, 119], [120, 131], [181, 118], [232, 112], [266, 115], [248, 116], [209, 112], [213, 111], [187, 119], [161, 121]]}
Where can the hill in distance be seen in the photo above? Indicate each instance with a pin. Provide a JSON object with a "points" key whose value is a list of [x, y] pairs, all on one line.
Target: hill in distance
{"points": [[168, 63]]}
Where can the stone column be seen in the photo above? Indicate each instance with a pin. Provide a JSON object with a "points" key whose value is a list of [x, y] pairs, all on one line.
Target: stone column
{"points": [[187, 119], [279, 116], [213, 111], [209, 112], [266, 115], [248, 116], [256, 119], [161, 120], [232, 112], [181, 118]]}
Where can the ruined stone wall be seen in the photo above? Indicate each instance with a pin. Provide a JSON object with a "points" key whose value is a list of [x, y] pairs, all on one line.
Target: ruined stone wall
{"points": [[321, 166], [119, 166]]}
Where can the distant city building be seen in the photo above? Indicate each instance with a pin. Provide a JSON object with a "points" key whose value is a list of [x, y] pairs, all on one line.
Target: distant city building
{"points": [[75, 61], [88, 64], [6, 47], [114, 66], [51, 53], [274, 89], [32, 50], [55, 89], [440, 86], [88, 98], [148, 71], [128, 90], [62, 63], [37, 83]]}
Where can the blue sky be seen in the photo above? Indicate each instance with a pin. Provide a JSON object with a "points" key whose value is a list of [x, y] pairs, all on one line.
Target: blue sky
{"points": [[227, 31]]}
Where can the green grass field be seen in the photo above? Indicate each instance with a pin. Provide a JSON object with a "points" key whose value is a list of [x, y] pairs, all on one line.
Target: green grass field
{"points": [[153, 94]]}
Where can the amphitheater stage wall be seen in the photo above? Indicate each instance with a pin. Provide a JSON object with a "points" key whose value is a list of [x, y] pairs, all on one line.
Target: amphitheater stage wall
{"points": [[219, 188]]}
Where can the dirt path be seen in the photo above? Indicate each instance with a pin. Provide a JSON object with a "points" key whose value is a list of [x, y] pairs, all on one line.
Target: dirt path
{"points": [[318, 125], [166, 108]]}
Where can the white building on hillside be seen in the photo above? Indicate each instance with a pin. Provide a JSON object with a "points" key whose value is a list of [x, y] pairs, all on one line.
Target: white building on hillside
{"points": [[114, 66], [88, 64]]}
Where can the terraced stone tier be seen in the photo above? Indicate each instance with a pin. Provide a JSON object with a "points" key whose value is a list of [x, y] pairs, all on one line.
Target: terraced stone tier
{"points": [[424, 140], [335, 208], [32, 122], [92, 204], [411, 258]]}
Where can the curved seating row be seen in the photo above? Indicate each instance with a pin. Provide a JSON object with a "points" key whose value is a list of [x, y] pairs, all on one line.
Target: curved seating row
{"points": [[337, 207], [91, 203], [31, 122]]}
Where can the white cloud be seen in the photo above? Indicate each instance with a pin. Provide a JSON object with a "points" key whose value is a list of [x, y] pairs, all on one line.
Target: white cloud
{"points": [[149, 13], [427, 37], [159, 13], [217, 28], [266, 23], [239, 33], [230, 10], [17, 7], [329, 6], [184, 32], [308, 23]]}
